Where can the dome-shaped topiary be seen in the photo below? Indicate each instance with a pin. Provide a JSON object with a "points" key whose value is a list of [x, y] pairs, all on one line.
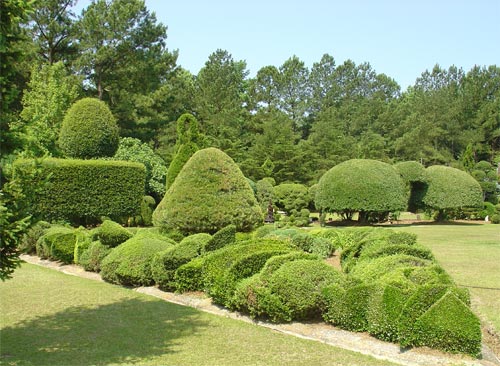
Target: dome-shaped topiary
{"points": [[361, 185], [450, 188], [89, 130], [209, 193]]}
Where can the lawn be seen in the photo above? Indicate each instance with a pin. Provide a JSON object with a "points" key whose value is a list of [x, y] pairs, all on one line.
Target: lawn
{"points": [[49, 318], [470, 253]]}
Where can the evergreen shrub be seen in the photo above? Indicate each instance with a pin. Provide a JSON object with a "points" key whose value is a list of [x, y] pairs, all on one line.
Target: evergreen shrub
{"points": [[58, 243], [28, 241], [92, 257], [82, 191], [189, 276], [209, 193], [223, 237], [129, 263], [89, 130], [112, 234]]}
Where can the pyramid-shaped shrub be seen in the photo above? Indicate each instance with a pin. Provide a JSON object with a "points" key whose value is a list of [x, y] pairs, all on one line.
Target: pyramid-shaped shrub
{"points": [[209, 193]]}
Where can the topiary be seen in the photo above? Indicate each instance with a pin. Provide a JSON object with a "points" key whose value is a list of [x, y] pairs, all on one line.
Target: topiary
{"points": [[165, 263], [28, 241], [58, 243], [189, 276], [450, 188], [112, 234], [129, 263], [361, 185], [92, 257], [89, 130], [495, 219], [221, 238], [209, 193]]}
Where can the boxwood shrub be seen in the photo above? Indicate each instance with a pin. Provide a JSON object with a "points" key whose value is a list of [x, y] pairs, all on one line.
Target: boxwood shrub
{"points": [[28, 241], [223, 237], [82, 191], [165, 263], [189, 276], [58, 243], [129, 263], [112, 234], [92, 257]]}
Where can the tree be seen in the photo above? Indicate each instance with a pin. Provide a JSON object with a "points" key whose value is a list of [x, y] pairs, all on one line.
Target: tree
{"points": [[450, 188], [89, 130], [52, 28], [486, 175], [415, 177], [369, 187], [49, 95], [209, 193]]}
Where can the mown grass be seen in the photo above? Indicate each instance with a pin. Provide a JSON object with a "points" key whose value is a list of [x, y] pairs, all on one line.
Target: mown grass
{"points": [[49, 318], [470, 253]]}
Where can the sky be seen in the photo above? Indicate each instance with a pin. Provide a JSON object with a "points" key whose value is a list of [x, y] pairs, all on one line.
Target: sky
{"points": [[399, 38]]}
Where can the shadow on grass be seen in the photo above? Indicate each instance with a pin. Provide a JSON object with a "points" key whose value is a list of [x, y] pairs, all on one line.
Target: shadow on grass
{"points": [[129, 331]]}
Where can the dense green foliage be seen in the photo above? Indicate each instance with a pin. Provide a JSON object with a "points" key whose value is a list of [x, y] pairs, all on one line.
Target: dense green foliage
{"points": [[89, 130], [92, 257], [209, 193], [131, 149], [359, 185], [57, 243], [223, 237], [450, 188], [81, 191], [112, 234], [130, 263]]}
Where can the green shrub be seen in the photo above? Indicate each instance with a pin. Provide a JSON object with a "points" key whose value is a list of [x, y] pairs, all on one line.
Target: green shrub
{"points": [[361, 185], [89, 130], [221, 238], [291, 197], [315, 245], [263, 231], [222, 269], [450, 188], [381, 249], [417, 305], [129, 263], [92, 257], [83, 241], [274, 263], [145, 218], [82, 191], [209, 193], [28, 241], [112, 234], [58, 243], [132, 149], [495, 219], [189, 276], [415, 177], [346, 306], [449, 325], [298, 285], [165, 263]]}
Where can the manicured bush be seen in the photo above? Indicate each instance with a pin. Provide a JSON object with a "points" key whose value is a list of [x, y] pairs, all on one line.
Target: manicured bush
{"points": [[165, 263], [449, 325], [381, 249], [132, 149], [450, 188], [89, 130], [129, 263], [495, 219], [361, 185], [28, 241], [298, 285], [291, 197], [263, 230], [112, 234], [92, 257], [346, 306], [58, 243], [189, 276], [221, 238], [274, 263], [83, 241], [222, 269], [145, 218], [411, 171], [209, 193], [82, 191], [304, 241]]}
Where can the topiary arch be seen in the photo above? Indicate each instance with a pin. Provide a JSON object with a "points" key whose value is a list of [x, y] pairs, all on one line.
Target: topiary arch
{"points": [[89, 130], [366, 186], [209, 193]]}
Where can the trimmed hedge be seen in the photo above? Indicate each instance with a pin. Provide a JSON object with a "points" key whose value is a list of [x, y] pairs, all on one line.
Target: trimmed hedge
{"points": [[304, 241], [82, 191], [92, 257], [165, 263], [28, 241], [221, 238], [129, 263], [361, 185], [89, 130], [209, 193], [274, 263], [189, 276], [112, 234], [58, 243]]}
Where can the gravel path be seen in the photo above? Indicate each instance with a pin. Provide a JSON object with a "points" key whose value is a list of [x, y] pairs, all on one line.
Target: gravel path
{"points": [[322, 332]]}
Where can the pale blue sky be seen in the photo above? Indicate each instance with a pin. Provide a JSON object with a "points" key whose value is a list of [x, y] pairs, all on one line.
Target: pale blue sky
{"points": [[399, 38]]}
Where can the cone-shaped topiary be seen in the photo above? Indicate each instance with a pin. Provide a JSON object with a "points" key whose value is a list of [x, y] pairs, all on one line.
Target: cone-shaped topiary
{"points": [[361, 185], [89, 130], [209, 193]]}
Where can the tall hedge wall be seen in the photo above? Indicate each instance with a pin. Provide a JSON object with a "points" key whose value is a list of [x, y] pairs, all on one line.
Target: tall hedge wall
{"points": [[81, 191]]}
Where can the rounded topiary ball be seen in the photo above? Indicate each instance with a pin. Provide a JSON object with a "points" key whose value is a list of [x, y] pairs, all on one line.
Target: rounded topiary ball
{"points": [[89, 130]]}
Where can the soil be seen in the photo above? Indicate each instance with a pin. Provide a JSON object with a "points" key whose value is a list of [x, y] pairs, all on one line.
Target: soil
{"points": [[317, 331]]}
